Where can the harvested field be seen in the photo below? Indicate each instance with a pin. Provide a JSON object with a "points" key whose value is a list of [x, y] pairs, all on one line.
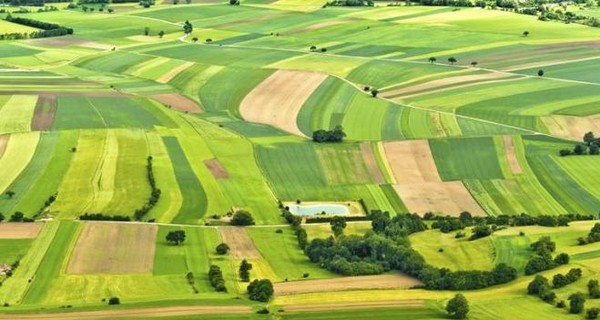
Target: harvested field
{"points": [[130, 249], [570, 127], [3, 143], [58, 42], [318, 25], [45, 110], [173, 73], [177, 102], [419, 184], [280, 107], [97, 94], [239, 242], [451, 197], [20, 230], [371, 163], [216, 168], [135, 313], [355, 305], [513, 162], [451, 81], [386, 281]]}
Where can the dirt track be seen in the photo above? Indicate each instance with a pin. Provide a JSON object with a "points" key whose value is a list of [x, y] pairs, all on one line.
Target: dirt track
{"points": [[513, 162], [278, 99], [386, 281], [20, 230], [135, 313]]}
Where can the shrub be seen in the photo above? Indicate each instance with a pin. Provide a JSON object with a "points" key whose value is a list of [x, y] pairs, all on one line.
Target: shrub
{"points": [[260, 290], [222, 248], [114, 301], [242, 218]]}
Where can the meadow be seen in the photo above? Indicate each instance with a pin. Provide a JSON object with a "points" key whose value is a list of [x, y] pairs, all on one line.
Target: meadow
{"points": [[221, 120]]}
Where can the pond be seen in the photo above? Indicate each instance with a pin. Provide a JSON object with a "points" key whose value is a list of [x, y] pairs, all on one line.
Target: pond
{"points": [[315, 209]]}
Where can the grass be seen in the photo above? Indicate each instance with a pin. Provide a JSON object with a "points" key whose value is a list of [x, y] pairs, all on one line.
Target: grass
{"points": [[18, 153], [16, 114], [12, 250]]}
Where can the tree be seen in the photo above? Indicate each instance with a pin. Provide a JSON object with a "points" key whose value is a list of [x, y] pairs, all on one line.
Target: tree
{"points": [[18, 216], [474, 64], [209, 40], [580, 149], [313, 48], [458, 307], [374, 93], [245, 268], [260, 290], [480, 231], [195, 39], [338, 224], [588, 138], [114, 301], [222, 248], [161, 34], [176, 237], [146, 31], [432, 59], [562, 258], [525, 33], [576, 302], [242, 218], [234, 2], [594, 149], [187, 27], [452, 60], [593, 289], [540, 72], [111, 10], [2, 217], [10, 194], [592, 313], [536, 284]]}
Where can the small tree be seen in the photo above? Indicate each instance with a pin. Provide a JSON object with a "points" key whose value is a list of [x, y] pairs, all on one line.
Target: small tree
{"points": [[146, 31], [374, 93], [592, 313], [260, 290], [580, 149], [209, 40], [161, 34], [338, 224], [187, 27], [313, 48], [245, 268], [576, 302], [537, 284], [2, 217], [452, 60], [593, 289], [242, 218], [18, 216], [540, 72], [458, 307], [195, 39], [10, 194], [474, 64], [111, 10], [589, 137], [176, 237], [222, 248], [114, 301], [432, 59], [234, 2], [525, 33]]}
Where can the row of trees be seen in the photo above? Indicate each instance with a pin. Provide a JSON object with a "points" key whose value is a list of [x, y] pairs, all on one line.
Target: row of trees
{"points": [[335, 135], [593, 236], [215, 276], [351, 3], [48, 29], [590, 145], [542, 256], [387, 248], [154, 194], [540, 287]]}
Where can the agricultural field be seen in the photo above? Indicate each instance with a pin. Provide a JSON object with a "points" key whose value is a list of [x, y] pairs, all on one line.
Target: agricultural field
{"points": [[182, 116]]}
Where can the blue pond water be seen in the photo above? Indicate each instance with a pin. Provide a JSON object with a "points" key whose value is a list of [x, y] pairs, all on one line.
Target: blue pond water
{"points": [[314, 209]]}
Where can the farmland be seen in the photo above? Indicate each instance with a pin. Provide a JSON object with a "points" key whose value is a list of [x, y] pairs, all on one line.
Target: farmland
{"points": [[444, 110]]}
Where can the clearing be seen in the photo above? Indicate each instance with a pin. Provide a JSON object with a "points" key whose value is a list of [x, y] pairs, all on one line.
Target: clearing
{"points": [[280, 107], [114, 248]]}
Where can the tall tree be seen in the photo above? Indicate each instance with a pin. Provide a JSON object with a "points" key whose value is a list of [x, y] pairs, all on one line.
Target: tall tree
{"points": [[458, 307], [245, 268], [176, 237], [338, 224], [576, 302]]}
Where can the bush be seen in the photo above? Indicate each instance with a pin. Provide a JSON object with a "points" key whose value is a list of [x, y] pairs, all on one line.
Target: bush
{"points": [[242, 218], [114, 301], [592, 313], [215, 276]]}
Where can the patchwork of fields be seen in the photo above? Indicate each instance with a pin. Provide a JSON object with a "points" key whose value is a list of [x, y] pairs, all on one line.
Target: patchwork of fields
{"points": [[221, 120]]}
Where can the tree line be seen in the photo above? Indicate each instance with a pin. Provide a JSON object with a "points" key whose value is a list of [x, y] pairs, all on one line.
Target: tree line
{"points": [[542, 256], [540, 287], [335, 135], [590, 145], [48, 29], [154, 194]]}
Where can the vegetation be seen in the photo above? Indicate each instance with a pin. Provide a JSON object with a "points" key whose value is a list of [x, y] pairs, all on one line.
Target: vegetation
{"points": [[260, 290], [176, 237], [458, 307], [242, 218], [335, 135]]}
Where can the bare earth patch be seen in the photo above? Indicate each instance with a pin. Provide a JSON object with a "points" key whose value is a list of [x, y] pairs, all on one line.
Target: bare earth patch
{"points": [[174, 72], [419, 185], [3, 143], [216, 168], [45, 110], [278, 99], [239, 242], [386, 281], [369, 157], [571, 127], [355, 305], [135, 313], [177, 102], [513, 162], [442, 83], [114, 248], [27, 230]]}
